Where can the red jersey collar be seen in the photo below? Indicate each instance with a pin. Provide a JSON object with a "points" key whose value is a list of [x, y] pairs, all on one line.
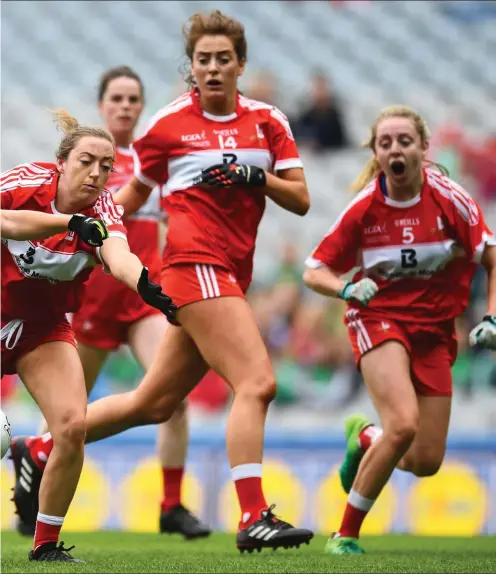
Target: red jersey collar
{"points": [[399, 204], [195, 96]]}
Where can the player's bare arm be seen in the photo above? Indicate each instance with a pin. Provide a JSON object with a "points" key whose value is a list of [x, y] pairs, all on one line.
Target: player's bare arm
{"points": [[289, 190], [324, 281], [126, 267], [132, 196], [489, 262], [24, 224], [123, 264]]}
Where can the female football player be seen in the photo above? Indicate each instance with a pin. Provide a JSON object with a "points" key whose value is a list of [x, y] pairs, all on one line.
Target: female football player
{"points": [[57, 222], [416, 237]]}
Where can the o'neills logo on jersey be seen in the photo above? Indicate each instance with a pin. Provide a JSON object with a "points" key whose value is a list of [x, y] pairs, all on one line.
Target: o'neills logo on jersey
{"points": [[373, 229], [404, 222], [226, 133]]}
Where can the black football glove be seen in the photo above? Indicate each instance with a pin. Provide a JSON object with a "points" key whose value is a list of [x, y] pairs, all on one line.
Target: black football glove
{"points": [[91, 230], [227, 174], [151, 293]]}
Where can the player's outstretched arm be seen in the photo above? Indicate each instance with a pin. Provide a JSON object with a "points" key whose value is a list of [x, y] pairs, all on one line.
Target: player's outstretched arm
{"points": [[22, 225], [322, 280], [484, 334], [489, 262], [132, 196], [126, 267]]}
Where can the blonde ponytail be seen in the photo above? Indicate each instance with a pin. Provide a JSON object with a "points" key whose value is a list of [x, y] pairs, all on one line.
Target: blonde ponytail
{"points": [[73, 132], [64, 121], [368, 173]]}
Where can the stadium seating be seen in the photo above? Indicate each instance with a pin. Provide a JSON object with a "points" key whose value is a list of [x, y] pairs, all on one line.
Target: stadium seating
{"points": [[376, 53]]}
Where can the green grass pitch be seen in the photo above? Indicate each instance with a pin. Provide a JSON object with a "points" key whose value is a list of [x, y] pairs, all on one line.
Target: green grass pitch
{"points": [[128, 552]]}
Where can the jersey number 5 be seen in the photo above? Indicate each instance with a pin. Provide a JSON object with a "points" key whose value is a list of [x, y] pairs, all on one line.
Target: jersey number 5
{"points": [[408, 236], [408, 258]]}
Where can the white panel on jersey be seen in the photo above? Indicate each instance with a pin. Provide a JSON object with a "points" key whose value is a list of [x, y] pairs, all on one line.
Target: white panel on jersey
{"points": [[184, 169], [37, 262], [420, 260]]}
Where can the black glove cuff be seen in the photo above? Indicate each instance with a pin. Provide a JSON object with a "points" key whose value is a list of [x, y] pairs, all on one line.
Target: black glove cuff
{"points": [[75, 222], [259, 177]]}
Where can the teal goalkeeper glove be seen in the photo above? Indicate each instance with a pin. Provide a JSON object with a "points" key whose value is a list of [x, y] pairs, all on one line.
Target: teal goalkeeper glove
{"points": [[361, 291], [484, 334]]}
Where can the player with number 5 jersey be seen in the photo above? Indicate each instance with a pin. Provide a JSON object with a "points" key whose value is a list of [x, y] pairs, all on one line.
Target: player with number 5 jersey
{"points": [[416, 237]]}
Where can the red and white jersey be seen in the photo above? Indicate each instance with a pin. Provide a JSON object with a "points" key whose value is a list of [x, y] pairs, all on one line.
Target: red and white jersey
{"points": [[421, 253], [142, 226], [215, 225], [45, 278]]}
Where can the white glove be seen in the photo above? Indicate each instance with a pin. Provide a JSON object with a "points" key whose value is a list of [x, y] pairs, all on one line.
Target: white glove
{"points": [[484, 334], [361, 291]]}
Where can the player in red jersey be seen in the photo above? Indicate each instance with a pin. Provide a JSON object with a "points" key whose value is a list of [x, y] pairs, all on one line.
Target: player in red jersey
{"points": [[208, 257], [112, 314], [416, 237], [47, 255]]}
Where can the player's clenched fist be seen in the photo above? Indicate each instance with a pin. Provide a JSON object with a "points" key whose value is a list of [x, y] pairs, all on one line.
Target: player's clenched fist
{"points": [[361, 291], [227, 174], [91, 230], [151, 293], [484, 334]]}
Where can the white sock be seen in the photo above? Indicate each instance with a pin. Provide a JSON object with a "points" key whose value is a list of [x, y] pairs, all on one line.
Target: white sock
{"points": [[359, 501], [251, 470]]}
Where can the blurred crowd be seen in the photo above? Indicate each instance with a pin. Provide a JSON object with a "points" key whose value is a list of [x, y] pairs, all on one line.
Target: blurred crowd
{"points": [[304, 332]]}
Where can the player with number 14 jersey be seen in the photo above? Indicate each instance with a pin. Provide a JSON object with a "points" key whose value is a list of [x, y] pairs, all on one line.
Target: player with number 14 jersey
{"points": [[213, 228]]}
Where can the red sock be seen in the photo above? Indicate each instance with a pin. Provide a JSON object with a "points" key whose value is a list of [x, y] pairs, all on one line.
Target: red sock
{"points": [[355, 512], [40, 448], [173, 479], [47, 529], [368, 436], [250, 494]]}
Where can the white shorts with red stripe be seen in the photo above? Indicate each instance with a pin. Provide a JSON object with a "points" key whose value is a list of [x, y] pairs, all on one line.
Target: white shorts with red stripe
{"points": [[187, 283]]}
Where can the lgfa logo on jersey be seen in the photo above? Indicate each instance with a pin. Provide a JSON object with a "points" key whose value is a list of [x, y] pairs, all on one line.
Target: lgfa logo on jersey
{"points": [[196, 140], [375, 229]]}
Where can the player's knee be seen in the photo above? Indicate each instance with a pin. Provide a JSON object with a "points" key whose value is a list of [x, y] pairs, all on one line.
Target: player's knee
{"points": [[402, 431], [428, 465], [70, 433], [256, 386], [259, 386], [143, 411]]}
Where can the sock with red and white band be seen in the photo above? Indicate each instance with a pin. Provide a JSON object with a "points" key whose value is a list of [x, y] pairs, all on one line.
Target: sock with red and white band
{"points": [[40, 448], [172, 481], [47, 529], [355, 512], [368, 436], [248, 482]]}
